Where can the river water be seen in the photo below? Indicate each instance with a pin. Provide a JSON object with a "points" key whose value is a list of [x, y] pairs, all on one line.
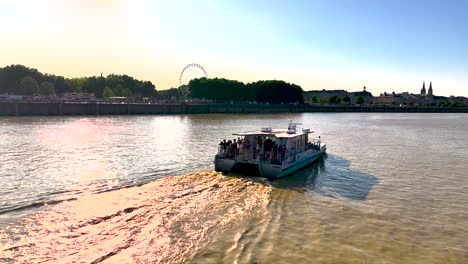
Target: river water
{"points": [[393, 188]]}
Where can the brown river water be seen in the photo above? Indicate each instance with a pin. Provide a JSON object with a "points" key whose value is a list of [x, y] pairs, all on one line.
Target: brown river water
{"points": [[393, 188]]}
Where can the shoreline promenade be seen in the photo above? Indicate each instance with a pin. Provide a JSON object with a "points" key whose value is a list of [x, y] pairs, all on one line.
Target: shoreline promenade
{"points": [[100, 108]]}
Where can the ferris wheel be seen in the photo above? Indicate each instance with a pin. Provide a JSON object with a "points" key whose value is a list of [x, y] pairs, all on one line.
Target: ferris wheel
{"points": [[189, 72]]}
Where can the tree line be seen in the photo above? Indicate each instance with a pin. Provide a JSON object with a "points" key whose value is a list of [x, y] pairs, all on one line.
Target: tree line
{"points": [[21, 80], [335, 100], [272, 91]]}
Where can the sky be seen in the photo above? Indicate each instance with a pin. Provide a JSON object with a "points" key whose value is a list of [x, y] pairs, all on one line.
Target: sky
{"points": [[384, 45]]}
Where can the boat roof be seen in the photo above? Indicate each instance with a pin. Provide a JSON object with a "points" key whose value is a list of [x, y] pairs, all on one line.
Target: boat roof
{"points": [[278, 133]]}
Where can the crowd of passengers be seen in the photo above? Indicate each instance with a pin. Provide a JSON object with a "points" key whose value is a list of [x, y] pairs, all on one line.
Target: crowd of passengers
{"points": [[232, 148], [272, 151]]}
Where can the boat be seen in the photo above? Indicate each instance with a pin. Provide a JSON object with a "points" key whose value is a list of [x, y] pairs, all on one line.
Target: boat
{"points": [[271, 153]]}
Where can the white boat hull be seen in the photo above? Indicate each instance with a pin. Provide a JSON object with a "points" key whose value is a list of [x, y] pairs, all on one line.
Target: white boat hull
{"points": [[224, 165], [278, 171]]}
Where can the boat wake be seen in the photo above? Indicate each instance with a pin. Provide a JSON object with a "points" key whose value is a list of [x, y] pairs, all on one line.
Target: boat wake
{"points": [[168, 220]]}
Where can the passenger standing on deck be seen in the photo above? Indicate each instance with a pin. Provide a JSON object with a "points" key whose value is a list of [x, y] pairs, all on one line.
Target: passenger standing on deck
{"points": [[247, 148], [283, 153], [241, 146], [234, 147], [224, 147], [275, 152], [280, 153], [220, 147], [229, 148]]}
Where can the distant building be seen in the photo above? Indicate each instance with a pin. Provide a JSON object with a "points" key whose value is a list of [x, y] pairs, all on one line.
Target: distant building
{"points": [[366, 96], [426, 98], [391, 98], [324, 94], [422, 99], [458, 100]]}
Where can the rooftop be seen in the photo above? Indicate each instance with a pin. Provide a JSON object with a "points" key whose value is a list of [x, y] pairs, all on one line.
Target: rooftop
{"points": [[278, 133]]}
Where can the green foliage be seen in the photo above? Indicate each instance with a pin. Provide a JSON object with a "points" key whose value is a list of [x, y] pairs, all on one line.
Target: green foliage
{"points": [[314, 99], [449, 104], [126, 92], [359, 100], [333, 99], [107, 92], [322, 101], [261, 91], [122, 85], [28, 86], [18, 79], [61, 85], [277, 92], [74, 85], [12, 76], [220, 89], [46, 88], [338, 100], [346, 99], [172, 93]]}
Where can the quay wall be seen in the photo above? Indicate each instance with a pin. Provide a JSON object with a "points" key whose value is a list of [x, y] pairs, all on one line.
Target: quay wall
{"points": [[46, 109]]}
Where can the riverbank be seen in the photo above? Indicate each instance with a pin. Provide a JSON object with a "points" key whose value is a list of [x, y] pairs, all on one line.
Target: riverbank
{"points": [[58, 109], [168, 220]]}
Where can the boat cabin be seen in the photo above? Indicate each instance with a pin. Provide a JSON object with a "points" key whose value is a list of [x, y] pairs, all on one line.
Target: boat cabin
{"points": [[275, 146]]}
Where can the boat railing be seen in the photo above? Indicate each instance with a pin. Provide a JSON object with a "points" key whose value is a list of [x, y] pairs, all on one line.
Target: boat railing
{"points": [[237, 153], [227, 152], [315, 145], [270, 157]]}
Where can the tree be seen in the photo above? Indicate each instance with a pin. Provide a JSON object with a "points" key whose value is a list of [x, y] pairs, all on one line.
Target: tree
{"points": [[221, 89], [12, 76], [126, 92], [29, 86], [74, 85], [107, 92], [346, 99], [172, 93], [338, 100], [359, 100], [332, 99], [61, 87], [118, 90], [314, 99], [272, 91], [46, 88], [276, 92], [321, 101], [11, 82]]}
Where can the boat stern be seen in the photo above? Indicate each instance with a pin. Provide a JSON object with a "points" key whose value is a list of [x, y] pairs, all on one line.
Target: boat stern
{"points": [[223, 165], [270, 171]]}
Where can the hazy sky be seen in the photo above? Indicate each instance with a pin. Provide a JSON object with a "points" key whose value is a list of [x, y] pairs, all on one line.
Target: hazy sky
{"points": [[384, 45]]}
